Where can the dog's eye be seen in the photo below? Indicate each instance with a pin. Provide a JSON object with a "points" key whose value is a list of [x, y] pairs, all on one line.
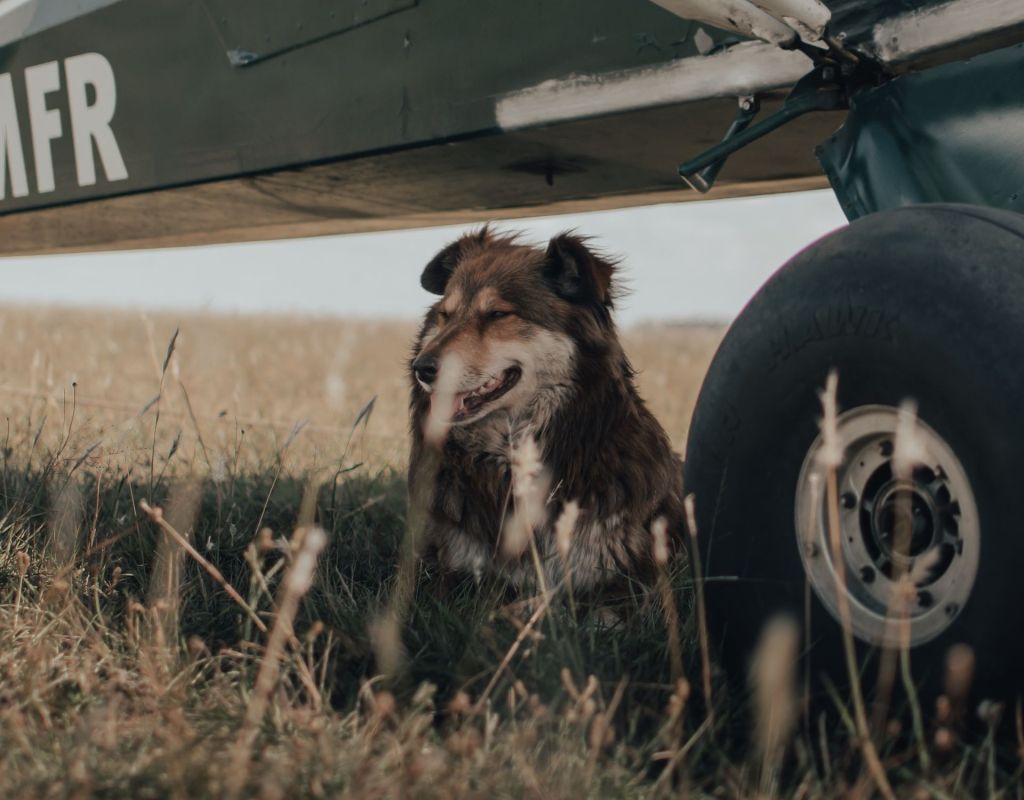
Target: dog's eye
{"points": [[497, 314]]}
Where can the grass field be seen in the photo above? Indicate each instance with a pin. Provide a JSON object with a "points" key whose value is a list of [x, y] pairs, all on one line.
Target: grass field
{"points": [[298, 650], [263, 376]]}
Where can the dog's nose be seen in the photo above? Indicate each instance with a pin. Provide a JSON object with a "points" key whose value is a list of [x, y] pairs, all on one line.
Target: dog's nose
{"points": [[425, 369]]}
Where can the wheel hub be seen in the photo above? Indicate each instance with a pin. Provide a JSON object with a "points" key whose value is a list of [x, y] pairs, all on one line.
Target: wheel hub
{"points": [[923, 529], [884, 513]]}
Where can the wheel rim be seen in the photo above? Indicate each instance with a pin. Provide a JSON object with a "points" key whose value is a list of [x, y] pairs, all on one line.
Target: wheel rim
{"points": [[939, 552]]}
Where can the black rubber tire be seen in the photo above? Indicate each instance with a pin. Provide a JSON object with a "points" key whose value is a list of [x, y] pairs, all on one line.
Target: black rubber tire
{"points": [[924, 302]]}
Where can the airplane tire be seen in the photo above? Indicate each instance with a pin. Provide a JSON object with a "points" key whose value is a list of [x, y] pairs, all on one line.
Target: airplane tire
{"points": [[924, 303]]}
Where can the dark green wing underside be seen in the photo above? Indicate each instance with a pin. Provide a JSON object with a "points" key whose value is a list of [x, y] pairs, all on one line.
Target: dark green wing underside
{"points": [[161, 122]]}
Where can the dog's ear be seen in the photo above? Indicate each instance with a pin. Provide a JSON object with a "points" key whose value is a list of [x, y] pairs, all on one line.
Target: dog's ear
{"points": [[436, 274], [576, 273]]}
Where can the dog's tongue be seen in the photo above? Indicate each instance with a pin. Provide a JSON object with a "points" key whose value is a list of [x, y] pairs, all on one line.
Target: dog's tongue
{"points": [[458, 400]]}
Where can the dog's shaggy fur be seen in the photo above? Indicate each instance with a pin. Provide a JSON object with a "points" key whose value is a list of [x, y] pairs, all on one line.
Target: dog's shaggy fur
{"points": [[522, 345]]}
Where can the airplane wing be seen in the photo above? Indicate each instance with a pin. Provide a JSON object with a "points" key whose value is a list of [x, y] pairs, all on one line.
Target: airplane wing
{"points": [[132, 123]]}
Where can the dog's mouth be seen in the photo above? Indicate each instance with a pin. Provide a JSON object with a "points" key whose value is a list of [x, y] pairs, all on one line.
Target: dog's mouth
{"points": [[468, 403]]}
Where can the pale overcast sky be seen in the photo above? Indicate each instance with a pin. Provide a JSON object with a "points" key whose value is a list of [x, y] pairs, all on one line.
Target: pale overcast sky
{"points": [[682, 262]]}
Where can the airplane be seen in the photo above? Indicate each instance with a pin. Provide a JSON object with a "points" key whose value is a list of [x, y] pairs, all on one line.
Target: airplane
{"points": [[130, 124]]}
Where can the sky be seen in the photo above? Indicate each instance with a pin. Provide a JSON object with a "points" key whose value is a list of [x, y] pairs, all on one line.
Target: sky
{"points": [[682, 262]]}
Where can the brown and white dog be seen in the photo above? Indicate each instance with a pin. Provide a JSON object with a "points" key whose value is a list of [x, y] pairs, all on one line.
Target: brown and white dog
{"points": [[522, 347]]}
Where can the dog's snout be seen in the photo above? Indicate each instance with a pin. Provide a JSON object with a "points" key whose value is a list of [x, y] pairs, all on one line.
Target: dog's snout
{"points": [[425, 369]]}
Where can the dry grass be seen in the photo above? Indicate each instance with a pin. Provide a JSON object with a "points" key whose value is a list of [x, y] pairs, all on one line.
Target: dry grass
{"points": [[187, 611], [263, 376]]}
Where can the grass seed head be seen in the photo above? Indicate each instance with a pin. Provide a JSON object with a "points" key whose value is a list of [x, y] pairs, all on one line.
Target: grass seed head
{"points": [[990, 712], [565, 527], [944, 740], [831, 453], [386, 638], [442, 399], [959, 672], [460, 704], [659, 530], [530, 485], [773, 679], [908, 445], [300, 577]]}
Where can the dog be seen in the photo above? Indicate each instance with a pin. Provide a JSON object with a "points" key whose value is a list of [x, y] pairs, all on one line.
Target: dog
{"points": [[520, 361]]}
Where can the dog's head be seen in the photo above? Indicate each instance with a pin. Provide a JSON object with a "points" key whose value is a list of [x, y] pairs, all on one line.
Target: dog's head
{"points": [[511, 324]]}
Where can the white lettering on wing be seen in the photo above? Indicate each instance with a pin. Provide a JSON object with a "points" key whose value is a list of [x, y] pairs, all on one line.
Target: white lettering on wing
{"points": [[91, 123], [40, 81], [91, 103], [12, 157]]}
